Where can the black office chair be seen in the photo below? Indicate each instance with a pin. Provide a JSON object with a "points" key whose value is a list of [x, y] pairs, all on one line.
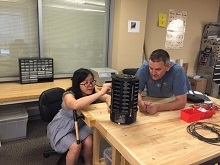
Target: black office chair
{"points": [[49, 104]]}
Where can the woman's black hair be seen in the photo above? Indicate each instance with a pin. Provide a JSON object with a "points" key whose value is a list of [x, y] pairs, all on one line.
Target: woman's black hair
{"points": [[78, 77]]}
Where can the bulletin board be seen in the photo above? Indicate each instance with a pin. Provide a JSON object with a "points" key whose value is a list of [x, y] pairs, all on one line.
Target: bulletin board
{"points": [[175, 29]]}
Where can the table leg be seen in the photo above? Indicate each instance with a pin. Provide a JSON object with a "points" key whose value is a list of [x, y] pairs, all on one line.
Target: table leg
{"points": [[124, 161], [96, 146], [116, 156]]}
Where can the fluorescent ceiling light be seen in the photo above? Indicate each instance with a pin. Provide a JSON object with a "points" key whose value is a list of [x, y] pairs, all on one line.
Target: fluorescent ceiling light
{"points": [[9, 0], [75, 8], [94, 4]]}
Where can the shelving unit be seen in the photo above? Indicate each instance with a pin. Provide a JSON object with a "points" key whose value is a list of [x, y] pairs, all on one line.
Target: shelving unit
{"points": [[209, 58]]}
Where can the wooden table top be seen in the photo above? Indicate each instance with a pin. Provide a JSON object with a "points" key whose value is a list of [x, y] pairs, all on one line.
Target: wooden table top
{"points": [[154, 139], [16, 92]]}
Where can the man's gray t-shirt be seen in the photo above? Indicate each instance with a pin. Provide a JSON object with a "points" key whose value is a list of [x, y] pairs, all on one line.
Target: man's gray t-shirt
{"points": [[174, 82]]}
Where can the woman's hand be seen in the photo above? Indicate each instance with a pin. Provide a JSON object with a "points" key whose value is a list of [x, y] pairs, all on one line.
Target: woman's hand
{"points": [[108, 102], [106, 88]]}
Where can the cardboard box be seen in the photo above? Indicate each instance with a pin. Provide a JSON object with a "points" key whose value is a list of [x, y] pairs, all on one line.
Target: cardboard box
{"points": [[198, 84], [185, 67]]}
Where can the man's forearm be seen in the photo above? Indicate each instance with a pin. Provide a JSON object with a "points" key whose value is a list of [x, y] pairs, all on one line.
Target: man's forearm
{"points": [[172, 105]]}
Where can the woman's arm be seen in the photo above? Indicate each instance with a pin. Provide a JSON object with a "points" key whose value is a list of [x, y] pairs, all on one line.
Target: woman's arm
{"points": [[71, 103], [106, 98]]}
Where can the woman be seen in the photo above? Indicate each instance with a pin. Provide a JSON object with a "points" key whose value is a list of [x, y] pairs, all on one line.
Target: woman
{"points": [[60, 130]]}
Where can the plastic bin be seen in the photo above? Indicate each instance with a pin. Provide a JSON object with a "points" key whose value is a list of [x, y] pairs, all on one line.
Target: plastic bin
{"points": [[108, 155], [13, 122], [194, 114]]}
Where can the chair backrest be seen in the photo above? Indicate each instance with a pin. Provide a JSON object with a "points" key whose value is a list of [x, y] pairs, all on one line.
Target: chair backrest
{"points": [[50, 103]]}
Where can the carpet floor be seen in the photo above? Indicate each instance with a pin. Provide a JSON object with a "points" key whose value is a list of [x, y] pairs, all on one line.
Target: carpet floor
{"points": [[28, 151]]}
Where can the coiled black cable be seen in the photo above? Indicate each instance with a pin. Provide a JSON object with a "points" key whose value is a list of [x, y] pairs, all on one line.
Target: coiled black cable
{"points": [[214, 128]]}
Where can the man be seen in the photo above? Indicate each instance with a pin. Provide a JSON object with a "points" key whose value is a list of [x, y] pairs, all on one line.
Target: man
{"points": [[162, 78]]}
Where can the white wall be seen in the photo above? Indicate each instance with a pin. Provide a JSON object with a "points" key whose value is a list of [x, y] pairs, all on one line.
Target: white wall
{"points": [[199, 13], [127, 49]]}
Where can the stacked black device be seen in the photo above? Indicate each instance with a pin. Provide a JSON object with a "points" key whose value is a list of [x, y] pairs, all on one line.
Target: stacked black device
{"points": [[124, 99], [34, 70]]}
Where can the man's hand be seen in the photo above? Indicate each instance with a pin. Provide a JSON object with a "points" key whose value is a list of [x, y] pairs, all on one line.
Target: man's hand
{"points": [[152, 109], [143, 106], [148, 107]]}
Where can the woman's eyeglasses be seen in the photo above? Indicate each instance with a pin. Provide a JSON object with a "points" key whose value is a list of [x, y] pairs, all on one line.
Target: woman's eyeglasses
{"points": [[86, 84]]}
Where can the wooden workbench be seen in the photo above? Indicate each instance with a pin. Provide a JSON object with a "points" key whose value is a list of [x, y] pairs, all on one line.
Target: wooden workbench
{"points": [[14, 92], [153, 139]]}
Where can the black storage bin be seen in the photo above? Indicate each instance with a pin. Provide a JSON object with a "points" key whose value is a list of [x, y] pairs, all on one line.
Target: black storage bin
{"points": [[130, 71], [34, 70]]}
